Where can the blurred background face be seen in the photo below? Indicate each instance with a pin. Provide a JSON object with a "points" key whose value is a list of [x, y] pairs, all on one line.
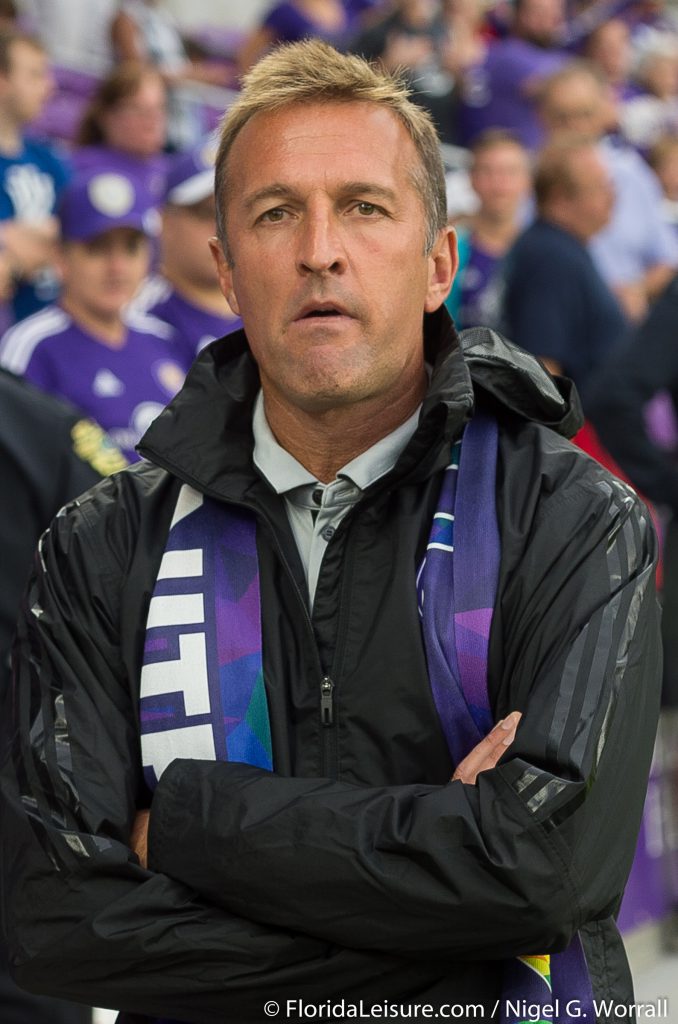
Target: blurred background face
{"points": [[540, 21], [660, 76], [101, 275], [610, 48], [575, 106], [137, 124], [29, 83], [418, 13], [501, 178], [184, 249], [667, 172]]}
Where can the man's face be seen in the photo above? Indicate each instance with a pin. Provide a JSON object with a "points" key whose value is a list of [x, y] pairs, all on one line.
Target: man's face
{"points": [[101, 275], [186, 231], [575, 106], [326, 232], [29, 83], [501, 178], [661, 76], [138, 123], [540, 21], [610, 48]]}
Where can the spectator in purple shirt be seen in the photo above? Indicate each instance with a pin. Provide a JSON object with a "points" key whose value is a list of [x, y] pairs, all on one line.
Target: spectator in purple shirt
{"points": [[331, 20], [503, 90], [186, 294], [500, 177], [609, 48], [125, 127], [119, 369]]}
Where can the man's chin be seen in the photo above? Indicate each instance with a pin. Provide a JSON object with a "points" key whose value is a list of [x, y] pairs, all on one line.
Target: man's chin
{"points": [[320, 395]]}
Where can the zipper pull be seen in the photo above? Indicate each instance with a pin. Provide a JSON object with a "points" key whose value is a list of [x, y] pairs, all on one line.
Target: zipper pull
{"points": [[326, 701]]}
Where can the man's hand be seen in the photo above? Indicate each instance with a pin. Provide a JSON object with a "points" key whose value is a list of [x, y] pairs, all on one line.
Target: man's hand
{"points": [[486, 754], [29, 247], [139, 837]]}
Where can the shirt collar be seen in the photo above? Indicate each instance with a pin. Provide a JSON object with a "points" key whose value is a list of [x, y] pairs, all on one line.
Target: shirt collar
{"points": [[285, 473]]}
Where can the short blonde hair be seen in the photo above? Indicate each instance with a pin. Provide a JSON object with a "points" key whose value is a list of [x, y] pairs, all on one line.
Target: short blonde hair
{"points": [[314, 72]]}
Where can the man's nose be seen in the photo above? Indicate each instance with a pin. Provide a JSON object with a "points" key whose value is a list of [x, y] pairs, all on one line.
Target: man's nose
{"points": [[320, 245], [118, 261]]}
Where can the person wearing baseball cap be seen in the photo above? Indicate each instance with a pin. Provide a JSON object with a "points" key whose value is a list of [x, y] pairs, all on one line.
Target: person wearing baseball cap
{"points": [[116, 365], [185, 294]]}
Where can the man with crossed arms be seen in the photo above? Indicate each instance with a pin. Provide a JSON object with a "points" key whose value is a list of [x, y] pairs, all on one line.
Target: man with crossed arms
{"points": [[142, 873]]}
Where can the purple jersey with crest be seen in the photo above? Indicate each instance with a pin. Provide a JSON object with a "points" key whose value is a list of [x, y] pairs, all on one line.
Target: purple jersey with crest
{"points": [[480, 290], [124, 388], [191, 327]]}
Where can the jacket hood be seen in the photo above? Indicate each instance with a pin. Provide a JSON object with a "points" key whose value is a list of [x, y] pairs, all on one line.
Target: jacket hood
{"points": [[204, 435], [516, 380]]}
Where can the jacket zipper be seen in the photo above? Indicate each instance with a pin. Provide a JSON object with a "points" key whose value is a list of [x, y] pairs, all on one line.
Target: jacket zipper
{"points": [[326, 701], [328, 686]]}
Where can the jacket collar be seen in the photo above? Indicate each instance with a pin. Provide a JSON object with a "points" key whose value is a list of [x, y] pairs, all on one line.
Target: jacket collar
{"points": [[204, 436]]}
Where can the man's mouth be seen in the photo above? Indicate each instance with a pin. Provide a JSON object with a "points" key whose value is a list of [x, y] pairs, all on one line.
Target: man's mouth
{"points": [[321, 310]]}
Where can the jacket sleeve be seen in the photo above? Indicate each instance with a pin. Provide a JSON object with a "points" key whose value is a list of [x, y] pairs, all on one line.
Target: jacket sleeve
{"points": [[85, 921], [513, 864]]}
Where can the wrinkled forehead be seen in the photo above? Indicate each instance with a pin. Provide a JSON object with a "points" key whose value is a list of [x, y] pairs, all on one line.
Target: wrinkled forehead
{"points": [[318, 140]]}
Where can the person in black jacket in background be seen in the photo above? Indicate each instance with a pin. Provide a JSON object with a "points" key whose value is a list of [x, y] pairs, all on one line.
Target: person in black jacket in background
{"points": [[143, 872], [620, 394], [48, 455]]}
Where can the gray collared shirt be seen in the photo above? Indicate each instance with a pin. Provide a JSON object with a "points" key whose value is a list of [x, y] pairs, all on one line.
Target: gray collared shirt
{"points": [[315, 509]]}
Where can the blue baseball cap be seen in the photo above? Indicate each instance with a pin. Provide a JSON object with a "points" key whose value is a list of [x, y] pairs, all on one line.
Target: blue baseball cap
{"points": [[190, 176], [94, 204]]}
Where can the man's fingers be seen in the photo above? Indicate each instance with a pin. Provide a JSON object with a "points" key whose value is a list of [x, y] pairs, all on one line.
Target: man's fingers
{"points": [[139, 837], [487, 753]]}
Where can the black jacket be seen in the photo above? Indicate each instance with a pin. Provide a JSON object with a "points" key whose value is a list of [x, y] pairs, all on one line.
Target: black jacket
{"points": [[48, 454], [356, 870]]}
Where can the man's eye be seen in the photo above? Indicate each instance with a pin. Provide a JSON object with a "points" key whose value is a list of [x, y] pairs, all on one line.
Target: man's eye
{"points": [[367, 209], [274, 216]]}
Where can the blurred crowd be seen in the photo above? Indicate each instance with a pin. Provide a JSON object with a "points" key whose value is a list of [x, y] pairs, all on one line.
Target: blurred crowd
{"points": [[559, 126]]}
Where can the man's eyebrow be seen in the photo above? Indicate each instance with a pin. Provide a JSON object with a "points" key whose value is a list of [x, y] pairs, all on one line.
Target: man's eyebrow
{"points": [[371, 188], [274, 191]]}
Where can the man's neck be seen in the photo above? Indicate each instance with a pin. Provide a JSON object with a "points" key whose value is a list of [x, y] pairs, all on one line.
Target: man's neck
{"points": [[557, 220], [207, 297], [325, 442], [110, 331]]}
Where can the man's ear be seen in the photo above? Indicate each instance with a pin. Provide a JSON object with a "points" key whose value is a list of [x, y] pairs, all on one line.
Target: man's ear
{"points": [[224, 274], [442, 262]]}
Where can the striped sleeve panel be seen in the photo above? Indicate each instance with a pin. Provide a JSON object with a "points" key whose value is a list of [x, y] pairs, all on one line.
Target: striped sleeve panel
{"points": [[20, 342]]}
